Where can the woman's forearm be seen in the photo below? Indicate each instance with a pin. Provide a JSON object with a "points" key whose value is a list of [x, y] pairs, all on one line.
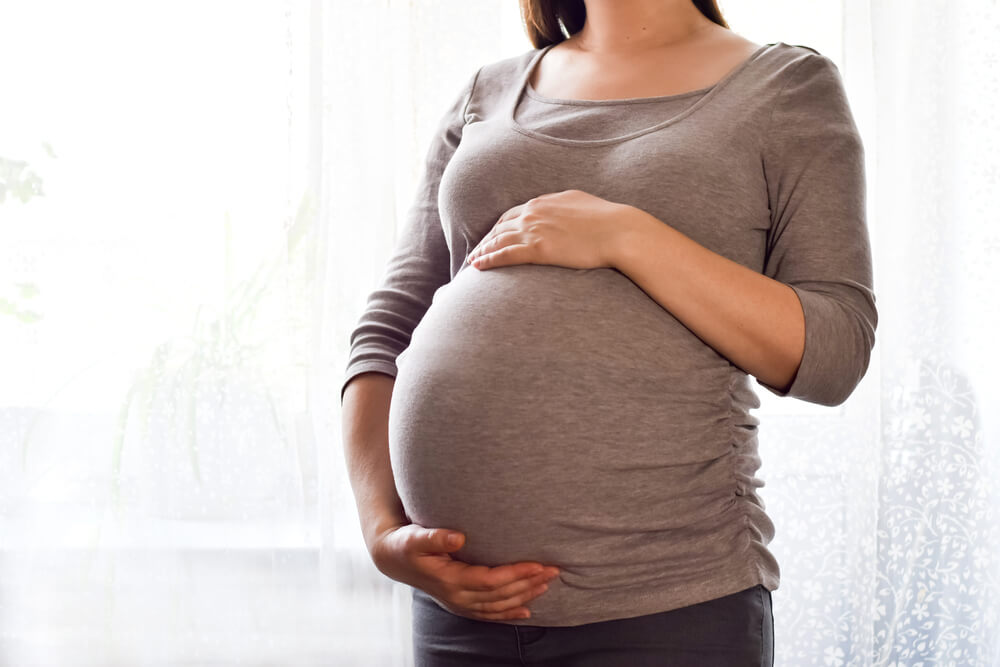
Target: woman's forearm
{"points": [[752, 320], [365, 419]]}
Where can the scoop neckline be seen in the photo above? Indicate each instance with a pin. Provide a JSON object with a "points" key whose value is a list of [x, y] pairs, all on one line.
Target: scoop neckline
{"points": [[530, 91], [523, 87]]}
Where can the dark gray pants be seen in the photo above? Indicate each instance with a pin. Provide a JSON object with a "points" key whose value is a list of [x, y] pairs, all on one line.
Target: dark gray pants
{"points": [[732, 631]]}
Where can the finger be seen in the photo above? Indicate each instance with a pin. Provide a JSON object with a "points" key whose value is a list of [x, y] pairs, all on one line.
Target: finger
{"points": [[504, 604], [486, 243], [495, 239], [516, 612], [511, 213], [483, 578], [516, 587], [478, 249], [518, 253], [435, 540], [508, 592]]}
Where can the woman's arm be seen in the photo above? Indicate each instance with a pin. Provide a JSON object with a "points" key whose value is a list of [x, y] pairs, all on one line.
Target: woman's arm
{"points": [[420, 262], [754, 321], [365, 418], [815, 347]]}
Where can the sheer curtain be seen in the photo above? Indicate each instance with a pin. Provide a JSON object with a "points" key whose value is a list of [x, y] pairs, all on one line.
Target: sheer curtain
{"points": [[195, 200]]}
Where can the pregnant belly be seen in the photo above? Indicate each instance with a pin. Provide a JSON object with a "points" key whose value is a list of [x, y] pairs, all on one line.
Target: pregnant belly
{"points": [[538, 406]]}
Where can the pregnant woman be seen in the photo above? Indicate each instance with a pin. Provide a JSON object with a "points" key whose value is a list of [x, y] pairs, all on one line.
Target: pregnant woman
{"points": [[613, 232]]}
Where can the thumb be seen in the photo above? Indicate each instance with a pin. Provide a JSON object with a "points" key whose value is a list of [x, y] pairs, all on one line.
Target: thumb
{"points": [[448, 540]]}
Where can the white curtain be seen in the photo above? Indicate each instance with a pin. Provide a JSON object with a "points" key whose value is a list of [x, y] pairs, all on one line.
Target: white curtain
{"points": [[196, 199]]}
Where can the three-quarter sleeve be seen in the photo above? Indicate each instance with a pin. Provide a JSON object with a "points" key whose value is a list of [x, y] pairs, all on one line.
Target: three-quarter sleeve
{"points": [[818, 242], [419, 264]]}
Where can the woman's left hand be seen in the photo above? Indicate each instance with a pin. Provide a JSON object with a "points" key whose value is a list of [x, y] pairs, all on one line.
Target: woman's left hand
{"points": [[569, 228]]}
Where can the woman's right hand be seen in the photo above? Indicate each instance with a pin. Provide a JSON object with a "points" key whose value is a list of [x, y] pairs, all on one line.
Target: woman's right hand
{"points": [[420, 557]]}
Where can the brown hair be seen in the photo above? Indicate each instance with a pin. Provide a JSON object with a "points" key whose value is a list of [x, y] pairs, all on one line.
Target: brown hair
{"points": [[542, 18]]}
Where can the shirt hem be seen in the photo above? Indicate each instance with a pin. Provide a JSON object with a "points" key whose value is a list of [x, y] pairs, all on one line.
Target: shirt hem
{"points": [[630, 604]]}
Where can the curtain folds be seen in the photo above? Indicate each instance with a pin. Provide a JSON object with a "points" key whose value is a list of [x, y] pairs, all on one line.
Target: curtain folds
{"points": [[175, 313]]}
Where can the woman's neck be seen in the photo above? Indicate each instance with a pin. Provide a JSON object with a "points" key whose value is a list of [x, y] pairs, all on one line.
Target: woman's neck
{"points": [[630, 26]]}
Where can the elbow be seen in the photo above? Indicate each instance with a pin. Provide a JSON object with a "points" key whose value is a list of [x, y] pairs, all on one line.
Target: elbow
{"points": [[840, 345], [844, 376], [839, 338]]}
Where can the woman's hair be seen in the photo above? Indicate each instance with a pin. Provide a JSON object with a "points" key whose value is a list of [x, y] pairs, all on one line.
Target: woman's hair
{"points": [[542, 18]]}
